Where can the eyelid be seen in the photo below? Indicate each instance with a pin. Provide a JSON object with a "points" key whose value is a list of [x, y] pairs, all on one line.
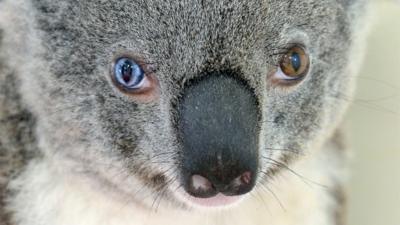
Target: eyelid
{"points": [[279, 74], [144, 83]]}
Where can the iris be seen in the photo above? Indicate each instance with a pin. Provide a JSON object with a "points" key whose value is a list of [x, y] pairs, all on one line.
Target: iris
{"points": [[128, 73]]}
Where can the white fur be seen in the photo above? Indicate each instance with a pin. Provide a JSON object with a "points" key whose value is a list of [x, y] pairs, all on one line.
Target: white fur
{"points": [[50, 197]]}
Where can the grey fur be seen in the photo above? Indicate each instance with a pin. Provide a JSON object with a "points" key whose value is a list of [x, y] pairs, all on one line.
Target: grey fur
{"points": [[57, 103]]}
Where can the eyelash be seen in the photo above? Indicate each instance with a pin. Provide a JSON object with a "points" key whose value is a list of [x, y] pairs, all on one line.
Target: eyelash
{"points": [[275, 54]]}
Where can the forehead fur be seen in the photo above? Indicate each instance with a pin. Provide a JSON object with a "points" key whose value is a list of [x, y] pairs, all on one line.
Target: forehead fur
{"points": [[194, 33]]}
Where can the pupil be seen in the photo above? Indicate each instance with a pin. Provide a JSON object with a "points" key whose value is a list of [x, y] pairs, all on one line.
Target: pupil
{"points": [[127, 72], [296, 61]]}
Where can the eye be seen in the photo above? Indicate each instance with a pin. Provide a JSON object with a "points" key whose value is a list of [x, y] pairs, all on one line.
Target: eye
{"points": [[135, 78], [128, 74], [294, 64]]}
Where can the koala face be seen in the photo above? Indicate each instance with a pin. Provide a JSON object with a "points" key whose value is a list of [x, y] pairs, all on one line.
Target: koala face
{"points": [[197, 102]]}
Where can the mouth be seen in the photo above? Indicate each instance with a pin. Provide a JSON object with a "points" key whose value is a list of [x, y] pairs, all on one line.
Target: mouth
{"points": [[218, 201]]}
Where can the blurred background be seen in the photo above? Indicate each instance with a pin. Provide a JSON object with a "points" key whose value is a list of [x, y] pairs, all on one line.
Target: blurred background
{"points": [[373, 125]]}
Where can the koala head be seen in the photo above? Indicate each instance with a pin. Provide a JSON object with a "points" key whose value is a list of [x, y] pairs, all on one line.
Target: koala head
{"points": [[200, 102]]}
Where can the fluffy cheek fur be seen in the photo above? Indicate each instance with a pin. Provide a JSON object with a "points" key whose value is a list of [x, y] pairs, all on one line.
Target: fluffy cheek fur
{"points": [[105, 152], [85, 147]]}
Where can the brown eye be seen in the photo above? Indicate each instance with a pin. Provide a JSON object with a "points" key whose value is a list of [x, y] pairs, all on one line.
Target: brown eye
{"points": [[295, 64]]}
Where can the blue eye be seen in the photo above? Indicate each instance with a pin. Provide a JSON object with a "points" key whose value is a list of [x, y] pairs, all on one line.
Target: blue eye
{"points": [[128, 73]]}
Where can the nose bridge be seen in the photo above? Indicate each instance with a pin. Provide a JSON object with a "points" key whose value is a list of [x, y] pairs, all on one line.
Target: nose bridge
{"points": [[219, 129]]}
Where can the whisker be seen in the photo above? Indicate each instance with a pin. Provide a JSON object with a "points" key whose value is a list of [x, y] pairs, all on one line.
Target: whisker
{"points": [[161, 193], [261, 199], [265, 187], [304, 179], [286, 150], [367, 104]]}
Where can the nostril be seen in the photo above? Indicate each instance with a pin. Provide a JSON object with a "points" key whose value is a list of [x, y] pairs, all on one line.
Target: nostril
{"points": [[201, 183], [201, 187], [245, 178], [242, 180], [240, 185]]}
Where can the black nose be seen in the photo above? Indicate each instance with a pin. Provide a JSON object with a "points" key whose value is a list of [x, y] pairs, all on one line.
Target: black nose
{"points": [[219, 130]]}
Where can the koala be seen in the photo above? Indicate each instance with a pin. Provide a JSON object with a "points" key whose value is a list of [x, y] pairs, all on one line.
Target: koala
{"points": [[150, 112]]}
